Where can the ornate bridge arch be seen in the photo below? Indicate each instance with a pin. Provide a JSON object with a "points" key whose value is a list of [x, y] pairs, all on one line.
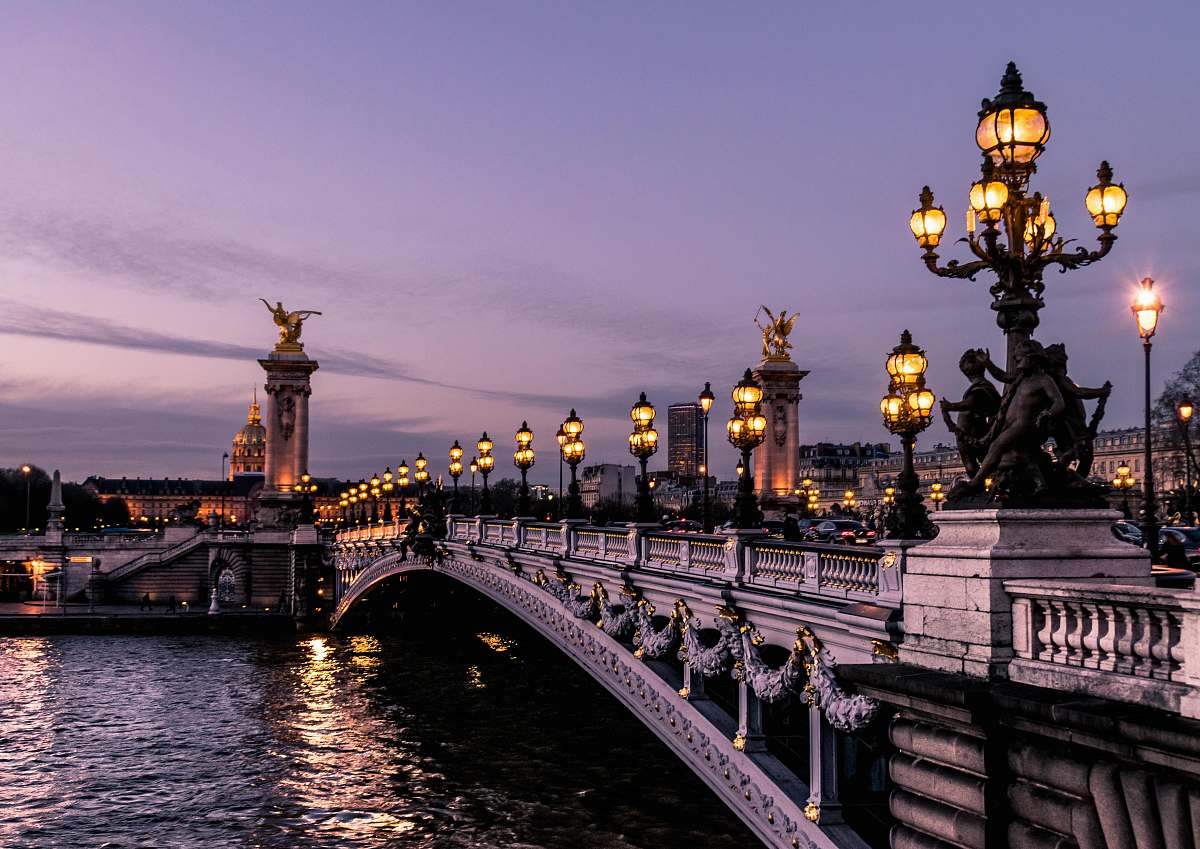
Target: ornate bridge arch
{"points": [[544, 590]]}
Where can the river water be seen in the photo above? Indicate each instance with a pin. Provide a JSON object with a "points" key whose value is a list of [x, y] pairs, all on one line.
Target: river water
{"points": [[476, 736]]}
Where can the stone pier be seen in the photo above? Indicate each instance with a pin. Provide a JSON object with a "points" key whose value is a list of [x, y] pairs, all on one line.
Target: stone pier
{"points": [[777, 460]]}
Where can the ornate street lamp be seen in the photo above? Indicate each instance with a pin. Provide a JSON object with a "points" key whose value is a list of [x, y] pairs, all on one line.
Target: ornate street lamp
{"points": [[1184, 411], [573, 452], [643, 443], [523, 459], [1124, 482], [936, 495], [907, 410], [1147, 306], [486, 463], [746, 430], [706, 401], [456, 470], [848, 500], [421, 475], [1019, 241]]}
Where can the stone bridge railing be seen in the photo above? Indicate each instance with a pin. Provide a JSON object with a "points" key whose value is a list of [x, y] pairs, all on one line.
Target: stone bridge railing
{"points": [[863, 573], [1117, 641]]}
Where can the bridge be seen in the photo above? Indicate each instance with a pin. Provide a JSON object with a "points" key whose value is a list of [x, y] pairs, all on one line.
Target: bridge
{"points": [[626, 603], [1082, 742]]}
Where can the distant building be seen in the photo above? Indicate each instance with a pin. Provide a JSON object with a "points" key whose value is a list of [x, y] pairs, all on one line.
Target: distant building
{"points": [[607, 482], [685, 439], [249, 444], [833, 467]]}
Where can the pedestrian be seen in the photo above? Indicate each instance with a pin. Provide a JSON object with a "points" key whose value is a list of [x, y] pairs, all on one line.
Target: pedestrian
{"points": [[171, 603], [1173, 552], [146, 602], [791, 527]]}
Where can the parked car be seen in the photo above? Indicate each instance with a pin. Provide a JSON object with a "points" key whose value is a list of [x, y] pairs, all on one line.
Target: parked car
{"points": [[843, 531], [684, 526], [1127, 532], [773, 526]]}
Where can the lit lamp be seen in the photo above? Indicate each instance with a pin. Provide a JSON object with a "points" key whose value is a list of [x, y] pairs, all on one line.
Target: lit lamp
{"points": [[573, 451], [474, 467], [643, 443], [1124, 482], [1018, 242], [706, 400], [486, 463], [746, 430], [523, 459], [1147, 306], [421, 475], [456, 470], [936, 495], [1184, 411], [907, 410]]}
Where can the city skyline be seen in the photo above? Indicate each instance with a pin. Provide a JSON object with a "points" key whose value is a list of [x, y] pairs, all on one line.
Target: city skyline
{"points": [[479, 235]]}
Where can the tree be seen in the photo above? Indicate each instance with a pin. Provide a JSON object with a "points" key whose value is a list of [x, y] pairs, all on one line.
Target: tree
{"points": [[1172, 464]]}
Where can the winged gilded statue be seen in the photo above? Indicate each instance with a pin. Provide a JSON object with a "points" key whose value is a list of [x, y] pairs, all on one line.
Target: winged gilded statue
{"points": [[775, 332], [289, 323]]}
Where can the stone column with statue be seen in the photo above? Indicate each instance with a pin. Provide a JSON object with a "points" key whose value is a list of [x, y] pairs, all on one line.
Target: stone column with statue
{"points": [[289, 372], [777, 460]]}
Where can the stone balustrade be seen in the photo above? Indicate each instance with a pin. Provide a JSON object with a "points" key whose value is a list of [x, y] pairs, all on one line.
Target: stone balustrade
{"points": [[865, 574], [1118, 641]]}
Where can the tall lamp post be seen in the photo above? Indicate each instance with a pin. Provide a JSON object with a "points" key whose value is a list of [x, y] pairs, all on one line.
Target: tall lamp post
{"points": [[523, 459], [907, 410], [456, 470], [706, 401], [561, 439], [573, 452], [1184, 411], [486, 463], [1147, 306], [643, 443], [746, 431], [224, 460], [474, 469], [27, 470], [1124, 481], [1011, 134], [421, 475], [375, 491]]}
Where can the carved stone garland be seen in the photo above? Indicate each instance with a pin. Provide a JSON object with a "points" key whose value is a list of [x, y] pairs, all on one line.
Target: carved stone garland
{"points": [[652, 643], [843, 711]]}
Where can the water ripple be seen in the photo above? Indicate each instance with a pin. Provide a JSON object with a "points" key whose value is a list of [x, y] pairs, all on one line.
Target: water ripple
{"points": [[354, 742]]}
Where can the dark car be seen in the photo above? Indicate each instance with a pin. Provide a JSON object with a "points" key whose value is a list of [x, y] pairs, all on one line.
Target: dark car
{"points": [[773, 526], [684, 526], [843, 531], [1127, 532]]}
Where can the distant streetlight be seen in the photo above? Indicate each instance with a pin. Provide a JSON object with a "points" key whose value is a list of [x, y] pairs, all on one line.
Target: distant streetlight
{"points": [[486, 463], [643, 443], [907, 410], [746, 430], [1147, 306], [1184, 411], [1124, 482], [706, 401], [523, 459], [27, 470], [455, 469], [573, 452]]}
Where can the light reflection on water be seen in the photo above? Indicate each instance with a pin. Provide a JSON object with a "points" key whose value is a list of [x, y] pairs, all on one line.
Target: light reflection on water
{"points": [[330, 742]]}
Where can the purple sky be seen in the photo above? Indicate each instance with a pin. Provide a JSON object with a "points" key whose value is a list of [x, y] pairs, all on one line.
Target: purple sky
{"points": [[506, 209]]}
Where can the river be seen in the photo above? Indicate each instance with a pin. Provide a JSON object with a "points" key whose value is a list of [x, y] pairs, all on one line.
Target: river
{"points": [[472, 733]]}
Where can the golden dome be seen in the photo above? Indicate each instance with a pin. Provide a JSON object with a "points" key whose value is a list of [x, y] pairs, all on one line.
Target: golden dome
{"points": [[249, 444]]}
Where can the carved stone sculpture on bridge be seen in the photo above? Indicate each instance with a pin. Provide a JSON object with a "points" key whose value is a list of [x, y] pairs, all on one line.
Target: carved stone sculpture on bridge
{"points": [[290, 324]]}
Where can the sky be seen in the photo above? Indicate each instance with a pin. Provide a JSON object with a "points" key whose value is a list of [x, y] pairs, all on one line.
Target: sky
{"points": [[505, 210]]}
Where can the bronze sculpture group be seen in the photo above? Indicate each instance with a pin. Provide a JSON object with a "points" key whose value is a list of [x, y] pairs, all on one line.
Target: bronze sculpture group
{"points": [[1002, 438]]}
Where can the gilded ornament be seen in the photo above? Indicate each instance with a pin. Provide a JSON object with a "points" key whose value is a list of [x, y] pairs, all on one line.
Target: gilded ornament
{"points": [[812, 812], [290, 325], [739, 743], [775, 333]]}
